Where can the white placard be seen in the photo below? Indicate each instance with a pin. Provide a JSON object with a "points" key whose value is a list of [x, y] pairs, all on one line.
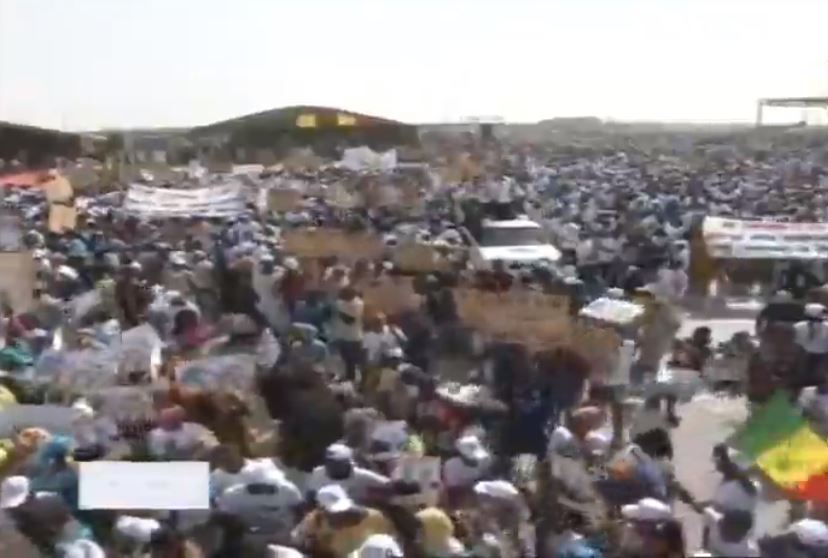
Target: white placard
{"points": [[121, 485], [54, 418], [735, 239], [224, 200]]}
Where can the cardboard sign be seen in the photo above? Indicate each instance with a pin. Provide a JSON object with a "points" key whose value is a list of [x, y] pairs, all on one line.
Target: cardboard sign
{"points": [[225, 200], [283, 199], [53, 418], [58, 189], [62, 218], [11, 233], [619, 312], [89, 369], [18, 276], [339, 196], [391, 297], [221, 373], [125, 404], [479, 308], [321, 243], [735, 239], [122, 485], [421, 258], [141, 350]]}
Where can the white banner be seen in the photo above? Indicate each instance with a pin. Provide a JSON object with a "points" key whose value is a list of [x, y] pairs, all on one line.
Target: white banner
{"points": [[120, 485], [743, 240], [226, 200], [365, 158]]}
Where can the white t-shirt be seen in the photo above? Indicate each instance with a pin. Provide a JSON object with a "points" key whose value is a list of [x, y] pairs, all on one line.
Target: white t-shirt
{"points": [[561, 438], [731, 495], [162, 442], [221, 480], [812, 337], [594, 442], [816, 404], [271, 513], [457, 474], [621, 371], [746, 547], [357, 485]]}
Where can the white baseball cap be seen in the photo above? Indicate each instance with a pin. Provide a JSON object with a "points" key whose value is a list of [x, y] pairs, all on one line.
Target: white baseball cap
{"points": [[647, 509], [339, 452], [471, 447], [811, 532], [499, 489], [814, 310], [379, 546], [333, 499], [13, 492], [278, 551], [139, 529]]}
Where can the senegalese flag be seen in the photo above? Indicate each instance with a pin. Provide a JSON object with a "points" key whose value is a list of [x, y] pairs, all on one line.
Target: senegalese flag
{"points": [[784, 446]]}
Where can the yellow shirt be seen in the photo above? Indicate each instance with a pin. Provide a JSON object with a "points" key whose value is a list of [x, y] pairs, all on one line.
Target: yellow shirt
{"points": [[7, 398], [342, 541]]}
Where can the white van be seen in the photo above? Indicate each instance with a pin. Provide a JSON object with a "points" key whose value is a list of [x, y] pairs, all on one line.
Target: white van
{"points": [[516, 241]]}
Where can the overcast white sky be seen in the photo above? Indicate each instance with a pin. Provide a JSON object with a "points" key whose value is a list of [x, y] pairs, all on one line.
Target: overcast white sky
{"points": [[86, 64]]}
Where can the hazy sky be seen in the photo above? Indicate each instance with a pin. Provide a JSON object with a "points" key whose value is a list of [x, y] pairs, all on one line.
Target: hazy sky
{"points": [[85, 64]]}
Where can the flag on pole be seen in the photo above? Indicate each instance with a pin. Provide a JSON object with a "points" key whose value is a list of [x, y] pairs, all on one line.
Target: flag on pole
{"points": [[784, 446]]}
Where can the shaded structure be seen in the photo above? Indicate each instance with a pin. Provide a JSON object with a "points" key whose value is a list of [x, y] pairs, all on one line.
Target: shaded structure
{"points": [[789, 102], [321, 128], [34, 147]]}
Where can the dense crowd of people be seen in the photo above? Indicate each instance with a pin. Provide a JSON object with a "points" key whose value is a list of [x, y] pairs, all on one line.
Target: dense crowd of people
{"points": [[366, 431]]}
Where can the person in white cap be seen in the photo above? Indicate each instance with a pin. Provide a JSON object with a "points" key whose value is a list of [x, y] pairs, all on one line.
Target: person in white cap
{"points": [[348, 330], [279, 551], [500, 508], [338, 527], [339, 469], [265, 501], [379, 546], [806, 538], [266, 276], [640, 518], [81, 549], [14, 491], [812, 335], [728, 534], [471, 464]]}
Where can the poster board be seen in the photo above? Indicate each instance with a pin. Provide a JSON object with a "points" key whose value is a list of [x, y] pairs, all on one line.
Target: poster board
{"points": [[539, 321], [478, 308], [141, 350], [323, 242], [283, 199], [18, 275], [58, 189], [122, 485], [744, 240], [391, 297], [56, 419], [220, 373], [124, 404], [11, 233], [224, 200], [618, 312], [339, 196], [62, 218], [422, 258]]}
